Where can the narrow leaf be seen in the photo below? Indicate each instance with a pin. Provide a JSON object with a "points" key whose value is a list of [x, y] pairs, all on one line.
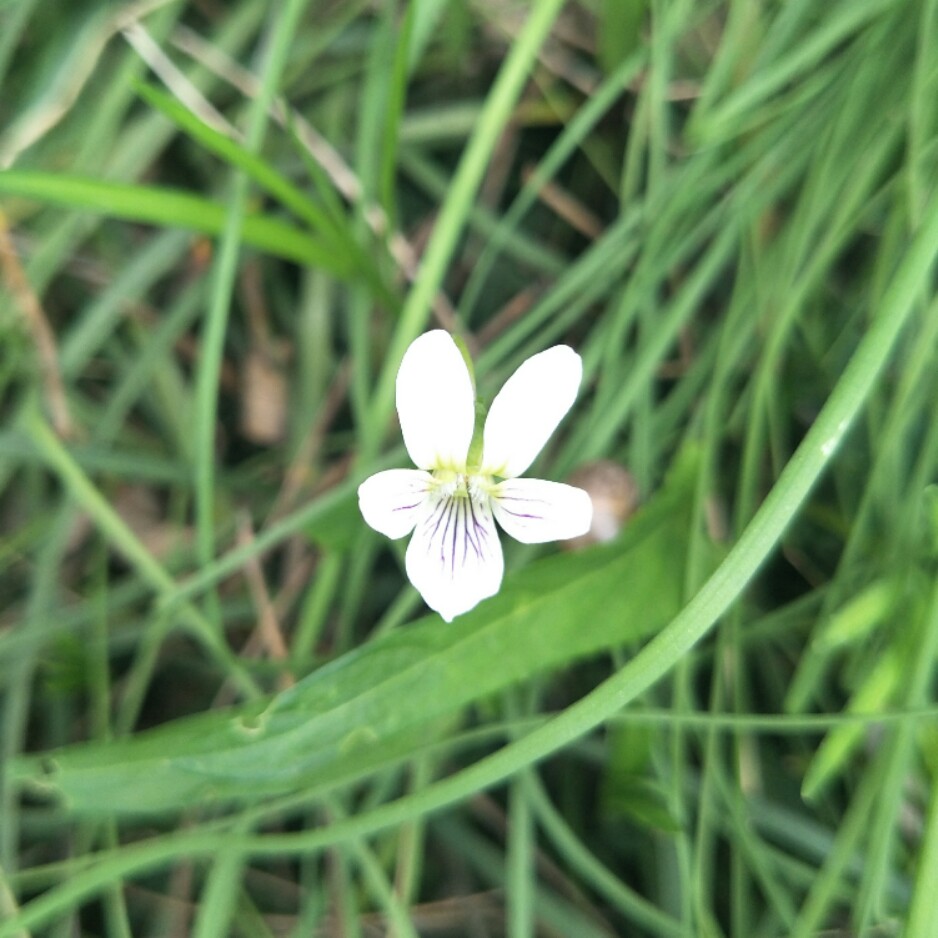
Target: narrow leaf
{"points": [[368, 707], [172, 208]]}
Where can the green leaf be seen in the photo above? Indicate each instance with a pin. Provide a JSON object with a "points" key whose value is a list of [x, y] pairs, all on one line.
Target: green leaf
{"points": [[929, 521], [332, 229], [379, 703], [171, 208], [620, 31], [629, 788], [857, 618], [643, 801], [873, 696], [255, 167]]}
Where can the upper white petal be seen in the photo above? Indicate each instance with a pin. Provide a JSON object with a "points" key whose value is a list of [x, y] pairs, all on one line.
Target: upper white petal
{"points": [[435, 402], [391, 501], [454, 558], [533, 511], [527, 410]]}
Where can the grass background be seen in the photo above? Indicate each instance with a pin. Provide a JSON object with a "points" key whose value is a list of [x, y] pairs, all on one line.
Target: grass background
{"points": [[224, 710]]}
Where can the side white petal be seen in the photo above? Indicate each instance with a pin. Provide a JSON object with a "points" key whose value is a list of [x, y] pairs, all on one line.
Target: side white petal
{"points": [[455, 558], [391, 501], [435, 402], [533, 511], [527, 410]]}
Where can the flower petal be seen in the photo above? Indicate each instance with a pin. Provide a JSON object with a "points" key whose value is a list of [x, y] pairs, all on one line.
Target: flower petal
{"points": [[527, 410], [454, 558], [533, 511], [391, 501], [435, 402]]}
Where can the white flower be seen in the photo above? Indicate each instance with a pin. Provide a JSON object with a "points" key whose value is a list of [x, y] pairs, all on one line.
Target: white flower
{"points": [[465, 482]]}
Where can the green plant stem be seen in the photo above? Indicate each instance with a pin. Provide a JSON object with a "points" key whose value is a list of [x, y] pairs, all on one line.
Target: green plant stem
{"points": [[283, 29], [115, 530], [922, 921], [455, 209]]}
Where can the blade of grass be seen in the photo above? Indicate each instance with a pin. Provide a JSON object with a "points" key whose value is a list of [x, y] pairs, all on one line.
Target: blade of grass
{"points": [[116, 532], [157, 205], [922, 921], [281, 32], [453, 212]]}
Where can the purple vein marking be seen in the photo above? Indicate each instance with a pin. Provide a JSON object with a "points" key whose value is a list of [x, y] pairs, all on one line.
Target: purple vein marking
{"points": [[520, 514], [449, 515], [407, 507], [434, 519], [478, 529], [452, 559], [458, 523]]}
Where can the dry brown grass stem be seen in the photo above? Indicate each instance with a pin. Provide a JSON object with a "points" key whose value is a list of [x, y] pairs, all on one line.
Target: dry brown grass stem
{"points": [[37, 325]]}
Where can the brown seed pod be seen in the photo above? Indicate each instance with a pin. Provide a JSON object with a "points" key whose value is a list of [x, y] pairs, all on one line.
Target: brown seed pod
{"points": [[614, 494]]}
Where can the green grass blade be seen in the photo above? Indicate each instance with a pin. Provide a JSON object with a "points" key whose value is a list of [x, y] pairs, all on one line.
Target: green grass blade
{"points": [[173, 208]]}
